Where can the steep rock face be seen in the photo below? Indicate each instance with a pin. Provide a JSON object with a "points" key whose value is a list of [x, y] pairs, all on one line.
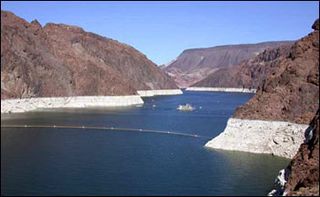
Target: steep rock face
{"points": [[248, 74], [27, 66], [303, 170], [194, 65], [291, 91], [64, 60]]}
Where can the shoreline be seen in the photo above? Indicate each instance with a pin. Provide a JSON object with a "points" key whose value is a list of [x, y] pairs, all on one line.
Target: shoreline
{"points": [[31, 104], [278, 138], [221, 89], [150, 93]]}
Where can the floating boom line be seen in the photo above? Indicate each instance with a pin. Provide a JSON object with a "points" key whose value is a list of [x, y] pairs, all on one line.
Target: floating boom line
{"points": [[106, 129]]}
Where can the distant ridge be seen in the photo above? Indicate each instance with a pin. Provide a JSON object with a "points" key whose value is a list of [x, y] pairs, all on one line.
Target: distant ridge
{"points": [[193, 65]]}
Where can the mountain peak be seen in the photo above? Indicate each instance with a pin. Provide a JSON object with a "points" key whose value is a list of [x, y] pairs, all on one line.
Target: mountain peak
{"points": [[36, 23]]}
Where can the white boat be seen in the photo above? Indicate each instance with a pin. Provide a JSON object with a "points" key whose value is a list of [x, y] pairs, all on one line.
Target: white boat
{"points": [[186, 107]]}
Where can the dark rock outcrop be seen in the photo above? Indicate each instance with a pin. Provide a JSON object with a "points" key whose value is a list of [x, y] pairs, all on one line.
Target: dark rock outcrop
{"points": [[291, 91], [315, 25], [193, 65], [64, 60], [303, 170]]}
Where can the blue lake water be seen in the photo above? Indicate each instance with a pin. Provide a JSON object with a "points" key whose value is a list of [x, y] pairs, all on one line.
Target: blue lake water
{"points": [[55, 161]]}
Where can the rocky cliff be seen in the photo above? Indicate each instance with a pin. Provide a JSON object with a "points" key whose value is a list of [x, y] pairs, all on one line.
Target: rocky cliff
{"points": [[303, 170], [249, 73], [301, 177], [65, 60], [291, 91], [193, 65], [288, 94]]}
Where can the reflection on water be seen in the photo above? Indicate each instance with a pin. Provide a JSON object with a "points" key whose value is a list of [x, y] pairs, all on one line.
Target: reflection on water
{"points": [[251, 165], [49, 161]]}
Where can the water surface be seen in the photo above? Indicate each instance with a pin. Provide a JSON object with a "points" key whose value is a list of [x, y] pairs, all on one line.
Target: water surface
{"points": [[51, 161]]}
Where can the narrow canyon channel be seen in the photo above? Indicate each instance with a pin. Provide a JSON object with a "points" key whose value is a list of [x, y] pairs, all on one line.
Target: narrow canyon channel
{"points": [[84, 161]]}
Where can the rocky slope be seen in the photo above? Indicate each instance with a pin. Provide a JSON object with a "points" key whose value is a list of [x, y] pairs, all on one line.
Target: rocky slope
{"points": [[288, 94], [302, 174], [303, 170], [64, 60], [291, 91], [193, 65], [248, 74]]}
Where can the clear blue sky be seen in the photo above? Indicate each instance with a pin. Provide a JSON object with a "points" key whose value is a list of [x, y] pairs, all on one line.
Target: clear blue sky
{"points": [[162, 30]]}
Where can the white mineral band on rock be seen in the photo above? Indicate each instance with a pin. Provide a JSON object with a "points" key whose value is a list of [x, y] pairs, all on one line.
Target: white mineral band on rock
{"points": [[259, 136], [149, 93], [29, 104], [221, 89]]}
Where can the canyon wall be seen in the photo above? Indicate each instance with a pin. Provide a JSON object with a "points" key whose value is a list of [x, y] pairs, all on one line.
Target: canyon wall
{"points": [[60, 60], [193, 65], [249, 73], [290, 94]]}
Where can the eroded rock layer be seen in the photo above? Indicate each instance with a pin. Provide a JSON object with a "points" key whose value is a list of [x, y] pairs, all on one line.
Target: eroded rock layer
{"points": [[257, 136]]}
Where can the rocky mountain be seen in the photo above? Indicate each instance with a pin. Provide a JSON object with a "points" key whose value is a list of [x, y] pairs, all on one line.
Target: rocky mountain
{"points": [[193, 65], [303, 171], [248, 74], [65, 60], [291, 91]]}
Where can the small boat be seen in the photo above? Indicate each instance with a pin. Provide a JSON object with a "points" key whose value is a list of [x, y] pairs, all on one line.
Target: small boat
{"points": [[186, 107]]}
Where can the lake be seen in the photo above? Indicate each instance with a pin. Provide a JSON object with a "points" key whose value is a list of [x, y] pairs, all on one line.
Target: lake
{"points": [[60, 161]]}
